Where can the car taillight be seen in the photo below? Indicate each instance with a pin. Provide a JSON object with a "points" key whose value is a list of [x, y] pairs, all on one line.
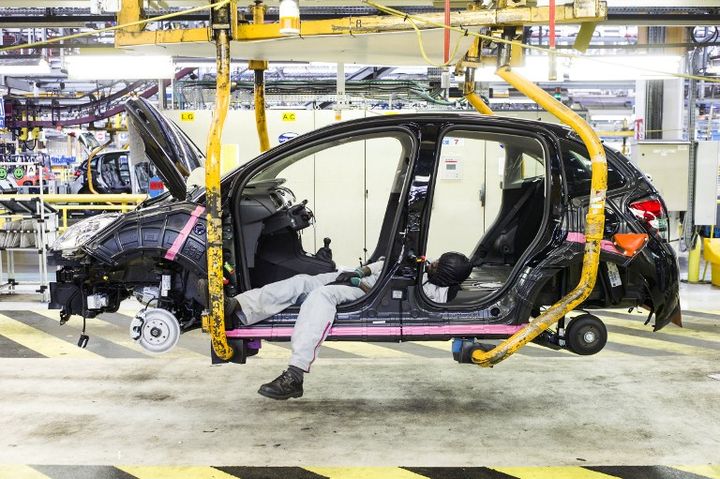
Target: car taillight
{"points": [[651, 211]]}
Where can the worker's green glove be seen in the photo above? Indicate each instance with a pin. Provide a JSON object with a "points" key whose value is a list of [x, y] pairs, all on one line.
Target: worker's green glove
{"points": [[346, 276], [350, 278]]}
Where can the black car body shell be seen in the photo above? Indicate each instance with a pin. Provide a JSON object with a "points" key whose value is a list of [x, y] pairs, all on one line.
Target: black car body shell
{"points": [[395, 309]]}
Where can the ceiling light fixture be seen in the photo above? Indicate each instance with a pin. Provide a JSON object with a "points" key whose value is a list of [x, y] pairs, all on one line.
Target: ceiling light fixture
{"points": [[119, 67], [24, 67], [289, 17]]}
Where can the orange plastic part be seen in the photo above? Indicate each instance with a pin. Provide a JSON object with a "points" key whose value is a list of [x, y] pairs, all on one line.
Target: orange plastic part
{"points": [[630, 243]]}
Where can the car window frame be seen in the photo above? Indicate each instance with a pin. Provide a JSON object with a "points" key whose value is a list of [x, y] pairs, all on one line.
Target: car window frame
{"points": [[549, 142], [265, 161]]}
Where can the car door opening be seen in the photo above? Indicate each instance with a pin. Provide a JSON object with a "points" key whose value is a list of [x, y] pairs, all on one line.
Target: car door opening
{"points": [[497, 188]]}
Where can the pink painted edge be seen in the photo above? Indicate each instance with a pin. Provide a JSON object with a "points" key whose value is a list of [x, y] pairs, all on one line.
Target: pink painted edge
{"points": [[184, 233], [350, 331]]}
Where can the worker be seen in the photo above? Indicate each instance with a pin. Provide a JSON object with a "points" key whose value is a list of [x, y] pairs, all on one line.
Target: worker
{"points": [[319, 296]]}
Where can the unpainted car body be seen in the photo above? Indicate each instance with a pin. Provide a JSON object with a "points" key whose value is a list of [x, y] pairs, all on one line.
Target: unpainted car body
{"points": [[157, 252]]}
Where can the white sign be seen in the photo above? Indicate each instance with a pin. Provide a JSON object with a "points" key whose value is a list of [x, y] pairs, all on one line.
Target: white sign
{"points": [[450, 169], [453, 141]]}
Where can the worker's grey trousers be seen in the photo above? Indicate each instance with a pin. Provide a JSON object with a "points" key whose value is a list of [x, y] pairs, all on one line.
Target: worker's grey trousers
{"points": [[317, 312]]}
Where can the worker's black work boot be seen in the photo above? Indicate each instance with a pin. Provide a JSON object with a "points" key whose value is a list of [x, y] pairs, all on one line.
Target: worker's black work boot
{"points": [[231, 304], [285, 386]]}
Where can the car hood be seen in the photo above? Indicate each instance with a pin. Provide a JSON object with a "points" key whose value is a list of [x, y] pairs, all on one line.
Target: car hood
{"points": [[171, 151]]}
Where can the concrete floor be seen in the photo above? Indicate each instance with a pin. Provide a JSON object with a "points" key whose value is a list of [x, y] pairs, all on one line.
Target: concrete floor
{"points": [[565, 411], [644, 400], [647, 399]]}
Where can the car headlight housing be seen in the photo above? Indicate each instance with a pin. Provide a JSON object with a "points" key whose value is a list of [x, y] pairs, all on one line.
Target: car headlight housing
{"points": [[82, 231]]}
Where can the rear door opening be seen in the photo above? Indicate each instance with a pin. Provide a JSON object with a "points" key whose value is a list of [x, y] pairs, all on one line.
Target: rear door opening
{"points": [[489, 202]]}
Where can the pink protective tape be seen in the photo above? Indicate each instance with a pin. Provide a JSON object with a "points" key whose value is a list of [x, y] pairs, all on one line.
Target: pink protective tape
{"points": [[361, 331], [184, 233], [575, 237]]}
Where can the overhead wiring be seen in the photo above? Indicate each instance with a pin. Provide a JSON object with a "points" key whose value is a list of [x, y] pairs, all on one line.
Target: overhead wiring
{"points": [[466, 31], [144, 21]]}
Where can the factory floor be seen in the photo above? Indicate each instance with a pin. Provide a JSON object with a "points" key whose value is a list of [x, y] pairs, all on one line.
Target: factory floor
{"points": [[645, 407]]}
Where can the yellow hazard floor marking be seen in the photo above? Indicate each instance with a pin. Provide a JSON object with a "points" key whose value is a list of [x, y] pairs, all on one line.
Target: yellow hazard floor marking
{"points": [[39, 341], [175, 472], [20, 472], [562, 472], [367, 350], [113, 333], [670, 329], [658, 344], [364, 473], [712, 472]]}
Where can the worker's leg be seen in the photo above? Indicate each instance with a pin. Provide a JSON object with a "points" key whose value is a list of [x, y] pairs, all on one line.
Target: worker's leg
{"points": [[317, 314], [261, 303]]}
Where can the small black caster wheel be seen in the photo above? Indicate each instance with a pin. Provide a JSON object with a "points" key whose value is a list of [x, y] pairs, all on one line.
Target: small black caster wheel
{"points": [[585, 335]]}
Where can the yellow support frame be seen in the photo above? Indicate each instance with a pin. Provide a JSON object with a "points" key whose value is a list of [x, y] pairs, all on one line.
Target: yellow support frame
{"points": [[594, 224], [216, 296], [259, 67], [517, 16]]}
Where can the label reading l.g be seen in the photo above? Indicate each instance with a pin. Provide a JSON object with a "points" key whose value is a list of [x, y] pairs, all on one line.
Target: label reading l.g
{"points": [[187, 116], [614, 275]]}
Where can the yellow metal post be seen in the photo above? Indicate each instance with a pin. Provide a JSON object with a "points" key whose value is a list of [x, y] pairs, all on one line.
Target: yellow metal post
{"points": [[259, 67], [694, 263], [594, 223], [130, 11], [216, 317]]}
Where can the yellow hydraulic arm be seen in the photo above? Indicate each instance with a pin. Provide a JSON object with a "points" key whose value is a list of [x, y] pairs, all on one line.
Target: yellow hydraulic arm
{"points": [[216, 317], [594, 223]]}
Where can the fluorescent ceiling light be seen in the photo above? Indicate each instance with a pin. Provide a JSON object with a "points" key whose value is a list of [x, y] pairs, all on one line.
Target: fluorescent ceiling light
{"points": [[24, 67], [535, 68], [119, 67], [630, 67]]}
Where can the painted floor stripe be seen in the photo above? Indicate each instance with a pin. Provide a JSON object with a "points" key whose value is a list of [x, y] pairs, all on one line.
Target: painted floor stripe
{"points": [[669, 330], [270, 472], [695, 328], [660, 345], [645, 472], [563, 472], [365, 473], [367, 350], [43, 343], [83, 472], [710, 471], [687, 340], [244, 472], [20, 472], [459, 473], [118, 336], [99, 344], [11, 349], [176, 472]]}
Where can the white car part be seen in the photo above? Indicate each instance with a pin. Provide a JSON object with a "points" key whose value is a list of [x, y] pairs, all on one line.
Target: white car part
{"points": [[97, 301], [83, 231], [156, 330]]}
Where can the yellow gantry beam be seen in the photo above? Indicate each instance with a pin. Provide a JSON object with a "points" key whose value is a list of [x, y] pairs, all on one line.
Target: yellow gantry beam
{"points": [[594, 223], [517, 16]]}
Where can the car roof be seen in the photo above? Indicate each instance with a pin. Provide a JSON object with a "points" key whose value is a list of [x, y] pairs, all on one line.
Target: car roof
{"points": [[464, 116]]}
